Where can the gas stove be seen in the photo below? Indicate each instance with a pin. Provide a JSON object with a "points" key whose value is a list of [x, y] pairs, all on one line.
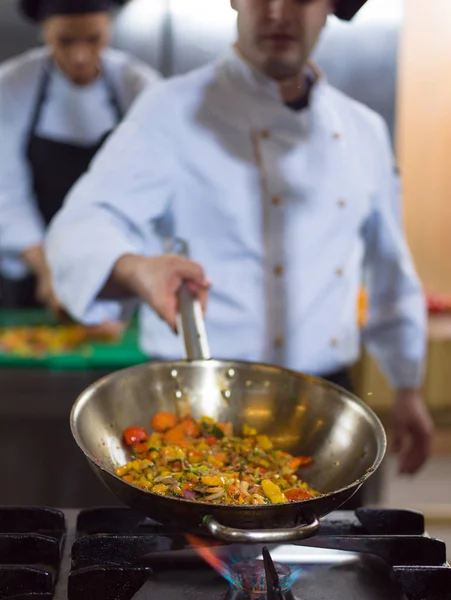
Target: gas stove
{"points": [[116, 554]]}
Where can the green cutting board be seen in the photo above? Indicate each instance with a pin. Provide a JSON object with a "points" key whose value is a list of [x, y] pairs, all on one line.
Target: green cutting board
{"points": [[92, 355]]}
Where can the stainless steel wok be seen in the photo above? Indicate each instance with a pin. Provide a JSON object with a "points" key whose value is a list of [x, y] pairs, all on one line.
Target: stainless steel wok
{"points": [[302, 415]]}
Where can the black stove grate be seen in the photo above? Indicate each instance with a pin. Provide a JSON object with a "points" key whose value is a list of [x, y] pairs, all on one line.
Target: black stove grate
{"points": [[117, 553], [31, 546]]}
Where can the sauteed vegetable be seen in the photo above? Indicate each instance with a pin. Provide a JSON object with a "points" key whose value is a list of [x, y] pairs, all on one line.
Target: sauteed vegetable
{"points": [[38, 341], [203, 461]]}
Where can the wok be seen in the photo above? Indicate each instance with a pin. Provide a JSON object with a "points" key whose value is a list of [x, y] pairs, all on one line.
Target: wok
{"points": [[303, 415]]}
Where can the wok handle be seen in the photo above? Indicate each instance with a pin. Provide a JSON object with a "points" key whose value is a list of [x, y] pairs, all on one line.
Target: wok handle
{"points": [[261, 536], [190, 320]]}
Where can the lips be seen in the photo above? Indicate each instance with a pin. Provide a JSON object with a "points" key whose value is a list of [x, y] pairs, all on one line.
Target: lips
{"points": [[280, 38]]}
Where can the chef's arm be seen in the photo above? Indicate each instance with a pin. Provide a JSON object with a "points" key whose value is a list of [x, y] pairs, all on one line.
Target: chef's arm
{"points": [[103, 245], [396, 330], [396, 327], [34, 257], [21, 226]]}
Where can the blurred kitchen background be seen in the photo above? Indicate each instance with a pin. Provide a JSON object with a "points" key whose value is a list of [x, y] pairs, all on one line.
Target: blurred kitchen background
{"points": [[396, 58]]}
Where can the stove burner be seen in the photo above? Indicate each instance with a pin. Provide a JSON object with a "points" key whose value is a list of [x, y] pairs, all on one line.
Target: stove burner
{"points": [[250, 576], [260, 579]]}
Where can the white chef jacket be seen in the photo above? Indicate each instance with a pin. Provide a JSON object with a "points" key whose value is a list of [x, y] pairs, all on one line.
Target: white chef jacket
{"points": [[71, 113], [283, 209]]}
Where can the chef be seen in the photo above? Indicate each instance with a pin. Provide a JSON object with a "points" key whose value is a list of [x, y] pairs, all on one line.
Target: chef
{"points": [[286, 191], [58, 104]]}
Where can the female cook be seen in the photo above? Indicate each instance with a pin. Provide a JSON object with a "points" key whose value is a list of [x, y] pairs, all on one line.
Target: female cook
{"points": [[58, 104]]}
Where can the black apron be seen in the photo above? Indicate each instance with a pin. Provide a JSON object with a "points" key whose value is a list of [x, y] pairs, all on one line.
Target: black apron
{"points": [[55, 167]]}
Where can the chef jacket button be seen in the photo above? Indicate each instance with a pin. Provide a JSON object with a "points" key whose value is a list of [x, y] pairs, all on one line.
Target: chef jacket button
{"points": [[339, 272], [336, 135], [342, 203], [334, 342], [265, 134], [279, 341], [278, 270], [276, 200]]}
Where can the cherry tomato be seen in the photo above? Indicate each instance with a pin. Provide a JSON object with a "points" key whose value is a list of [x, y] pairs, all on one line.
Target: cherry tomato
{"points": [[134, 434], [297, 494], [436, 303], [211, 440]]}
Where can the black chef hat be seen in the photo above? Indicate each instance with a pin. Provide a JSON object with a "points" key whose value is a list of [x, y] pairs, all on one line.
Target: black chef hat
{"points": [[38, 10], [346, 9]]}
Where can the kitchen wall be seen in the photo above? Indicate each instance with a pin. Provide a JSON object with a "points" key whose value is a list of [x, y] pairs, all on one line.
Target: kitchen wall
{"points": [[15, 34], [424, 137]]}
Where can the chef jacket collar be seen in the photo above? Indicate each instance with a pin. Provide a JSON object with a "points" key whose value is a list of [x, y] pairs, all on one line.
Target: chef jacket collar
{"points": [[256, 78], [267, 108]]}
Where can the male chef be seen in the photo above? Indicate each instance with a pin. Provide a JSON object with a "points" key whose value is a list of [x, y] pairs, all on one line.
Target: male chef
{"points": [[286, 192]]}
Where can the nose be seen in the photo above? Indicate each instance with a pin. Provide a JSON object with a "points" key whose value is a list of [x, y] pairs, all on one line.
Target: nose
{"points": [[281, 10], [80, 55]]}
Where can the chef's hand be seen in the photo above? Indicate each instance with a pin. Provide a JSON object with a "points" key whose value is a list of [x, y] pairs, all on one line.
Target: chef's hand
{"points": [[45, 294], [413, 429], [108, 330], [157, 280]]}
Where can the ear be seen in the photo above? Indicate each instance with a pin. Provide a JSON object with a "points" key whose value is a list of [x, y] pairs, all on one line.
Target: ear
{"points": [[233, 4]]}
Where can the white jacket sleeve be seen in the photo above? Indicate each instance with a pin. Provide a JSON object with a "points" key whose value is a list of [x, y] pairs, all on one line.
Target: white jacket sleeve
{"points": [[396, 330], [111, 211], [136, 77], [21, 225], [141, 75]]}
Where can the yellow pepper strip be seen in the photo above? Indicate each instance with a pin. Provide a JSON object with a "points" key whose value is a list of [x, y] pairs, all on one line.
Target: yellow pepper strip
{"points": [[121, 471], [249, 430], [273, 492], [160, 488], [264, 442], [212, 481]]}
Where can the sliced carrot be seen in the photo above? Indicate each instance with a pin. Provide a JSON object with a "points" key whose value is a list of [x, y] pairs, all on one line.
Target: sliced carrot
{"points": [[233, 491], [195, 456], [176, 466], [299, 461], [175, 434], [184, 444], [192, 429], [297, 494], [226, 428], [163, 421], [140, 447]]}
